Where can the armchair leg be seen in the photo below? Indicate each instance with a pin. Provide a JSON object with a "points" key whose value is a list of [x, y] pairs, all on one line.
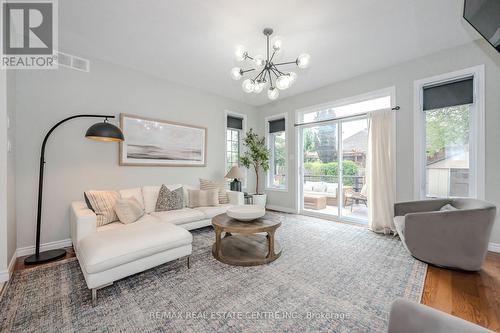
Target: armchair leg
{"points": [[189, 262]]}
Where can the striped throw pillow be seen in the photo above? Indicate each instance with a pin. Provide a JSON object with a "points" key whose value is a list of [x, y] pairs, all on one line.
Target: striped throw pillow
{"points": [[203, 198], [206, 184], [103, 203]]}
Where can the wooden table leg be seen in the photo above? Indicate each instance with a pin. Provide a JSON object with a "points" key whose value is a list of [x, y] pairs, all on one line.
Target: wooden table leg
{"points": [[218, 233], [270, 242]]}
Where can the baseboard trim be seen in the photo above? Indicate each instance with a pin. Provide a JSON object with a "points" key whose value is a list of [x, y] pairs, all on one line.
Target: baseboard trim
{"points": [[494, 247], [6, 274], [281, 209], [28, 250]]}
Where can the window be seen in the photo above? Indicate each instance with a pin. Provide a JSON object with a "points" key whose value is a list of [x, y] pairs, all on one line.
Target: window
{"points": [[276, 141], [234, 129], [450, 142]]}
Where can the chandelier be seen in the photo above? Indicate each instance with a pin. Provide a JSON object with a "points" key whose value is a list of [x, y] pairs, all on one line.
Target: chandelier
{"points": [[268, 71]]}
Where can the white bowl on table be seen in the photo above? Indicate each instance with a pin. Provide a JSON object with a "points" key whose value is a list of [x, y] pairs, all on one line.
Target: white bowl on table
{"points": [[246, 213]]}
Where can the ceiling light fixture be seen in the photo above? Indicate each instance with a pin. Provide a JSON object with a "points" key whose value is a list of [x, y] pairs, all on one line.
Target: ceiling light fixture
{"points": [[269, 73]]}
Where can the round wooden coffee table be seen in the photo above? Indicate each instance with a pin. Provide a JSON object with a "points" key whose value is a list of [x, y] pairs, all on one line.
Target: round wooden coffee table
{"points": [[242, 245]]}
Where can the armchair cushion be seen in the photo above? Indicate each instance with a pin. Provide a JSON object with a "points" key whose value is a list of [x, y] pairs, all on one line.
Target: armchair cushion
{"points": [[447, 207]]}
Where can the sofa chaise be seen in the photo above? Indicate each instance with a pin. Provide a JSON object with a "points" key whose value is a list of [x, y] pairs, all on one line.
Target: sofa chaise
{"points": [[113, 251]]}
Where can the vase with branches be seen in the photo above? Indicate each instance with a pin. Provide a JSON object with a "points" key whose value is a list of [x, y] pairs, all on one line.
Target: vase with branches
{"points": [[256, 155]]}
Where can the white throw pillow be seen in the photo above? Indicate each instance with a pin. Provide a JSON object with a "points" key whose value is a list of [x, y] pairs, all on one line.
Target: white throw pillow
{"points": [[133, 193], [203, 198], [128, 210], [186, 194], [150, 194], [221, 185], [308, 187]]}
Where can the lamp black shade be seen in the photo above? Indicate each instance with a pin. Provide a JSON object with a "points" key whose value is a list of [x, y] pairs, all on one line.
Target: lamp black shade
{"points": [[101, 131], [105, 132]]}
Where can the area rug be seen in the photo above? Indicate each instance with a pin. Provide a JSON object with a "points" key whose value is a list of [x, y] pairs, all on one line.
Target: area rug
{"points": [[331, 277]]}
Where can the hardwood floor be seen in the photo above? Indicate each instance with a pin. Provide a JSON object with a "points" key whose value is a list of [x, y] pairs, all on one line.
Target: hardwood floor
{"points": [[472, 296]]}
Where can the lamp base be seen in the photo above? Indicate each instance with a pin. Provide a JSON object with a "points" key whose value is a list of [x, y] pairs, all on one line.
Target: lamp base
{"points": [[45, 256], [235, 185]]}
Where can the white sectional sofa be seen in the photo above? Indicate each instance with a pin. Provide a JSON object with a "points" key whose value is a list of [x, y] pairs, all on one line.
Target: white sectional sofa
{"points": [[116, 250]]}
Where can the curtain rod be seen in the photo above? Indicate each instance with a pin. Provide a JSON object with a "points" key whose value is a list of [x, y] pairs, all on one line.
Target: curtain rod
{"points": [[341, 118]]}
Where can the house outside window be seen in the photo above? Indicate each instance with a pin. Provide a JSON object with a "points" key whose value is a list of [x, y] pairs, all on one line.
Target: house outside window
{"points": [[449, 135]]}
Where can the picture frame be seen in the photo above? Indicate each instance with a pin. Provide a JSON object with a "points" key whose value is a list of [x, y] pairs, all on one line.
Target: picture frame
{"points": [[155, 142]]}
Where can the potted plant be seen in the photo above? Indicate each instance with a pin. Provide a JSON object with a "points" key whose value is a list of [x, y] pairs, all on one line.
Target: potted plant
{"points": [[257, 156]]}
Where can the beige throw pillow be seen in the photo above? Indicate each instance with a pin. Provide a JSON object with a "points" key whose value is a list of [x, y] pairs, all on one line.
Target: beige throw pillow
{"points": [[103, 205], [206, 184], [128, 210], [203, 198]]}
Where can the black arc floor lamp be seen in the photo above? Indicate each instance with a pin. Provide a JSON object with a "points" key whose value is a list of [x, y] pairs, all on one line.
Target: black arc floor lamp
{"points": [[103, 131]]}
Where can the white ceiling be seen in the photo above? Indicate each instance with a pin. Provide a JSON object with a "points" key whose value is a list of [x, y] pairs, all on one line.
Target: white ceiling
{"points": [[192, 41]]}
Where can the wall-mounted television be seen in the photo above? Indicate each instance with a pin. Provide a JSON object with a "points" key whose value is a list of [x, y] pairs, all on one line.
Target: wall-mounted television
{"points": [[484, 16]]}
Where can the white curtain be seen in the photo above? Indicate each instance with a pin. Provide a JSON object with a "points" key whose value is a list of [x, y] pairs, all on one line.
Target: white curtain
{"points": [[380, 171]]}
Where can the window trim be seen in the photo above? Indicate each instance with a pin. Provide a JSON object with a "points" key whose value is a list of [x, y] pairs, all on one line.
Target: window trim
{"points": [[268, 186], [243, 132], [477, 131]]}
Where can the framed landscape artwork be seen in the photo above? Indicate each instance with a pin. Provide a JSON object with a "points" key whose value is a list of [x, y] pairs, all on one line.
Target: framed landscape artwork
{"points": [[156, 142]]}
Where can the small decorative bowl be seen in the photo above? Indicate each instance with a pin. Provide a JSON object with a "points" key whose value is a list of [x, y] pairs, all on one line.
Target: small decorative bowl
{"points": [[246, 213]]}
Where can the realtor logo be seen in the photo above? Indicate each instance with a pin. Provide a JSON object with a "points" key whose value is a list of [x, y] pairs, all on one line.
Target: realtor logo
{"points": [[29, 34]]}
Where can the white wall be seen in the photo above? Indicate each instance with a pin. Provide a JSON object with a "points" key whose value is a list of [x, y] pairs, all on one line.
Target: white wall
{"points": [[3, 177], [402, 77], [75, 164], [11, 167]]}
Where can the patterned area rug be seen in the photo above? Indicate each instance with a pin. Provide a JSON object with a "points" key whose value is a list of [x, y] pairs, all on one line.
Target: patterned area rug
{"points": [[331, 277]]}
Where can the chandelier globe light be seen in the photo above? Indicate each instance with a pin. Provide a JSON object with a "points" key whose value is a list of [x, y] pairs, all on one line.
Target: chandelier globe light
{"points": [[270, 74]]}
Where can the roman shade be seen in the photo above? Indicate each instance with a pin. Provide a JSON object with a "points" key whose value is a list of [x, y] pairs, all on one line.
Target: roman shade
{"points": [[277, 125], [234, 122], [458, 92]]}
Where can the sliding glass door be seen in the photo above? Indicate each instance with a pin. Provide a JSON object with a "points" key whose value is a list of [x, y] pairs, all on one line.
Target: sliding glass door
{"points": [[320, 176], [354, 149], [333, 169]]}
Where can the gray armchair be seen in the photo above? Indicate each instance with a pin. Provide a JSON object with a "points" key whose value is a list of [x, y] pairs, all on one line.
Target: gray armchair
{"points": [[454, 238], [409, 317]]}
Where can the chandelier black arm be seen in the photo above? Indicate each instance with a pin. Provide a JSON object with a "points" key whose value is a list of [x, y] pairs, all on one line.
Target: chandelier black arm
{"points": [[260, 73], [275, 68], [272, 56], [286, 63], [274, 72], [245, 71], [270, 78]]}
